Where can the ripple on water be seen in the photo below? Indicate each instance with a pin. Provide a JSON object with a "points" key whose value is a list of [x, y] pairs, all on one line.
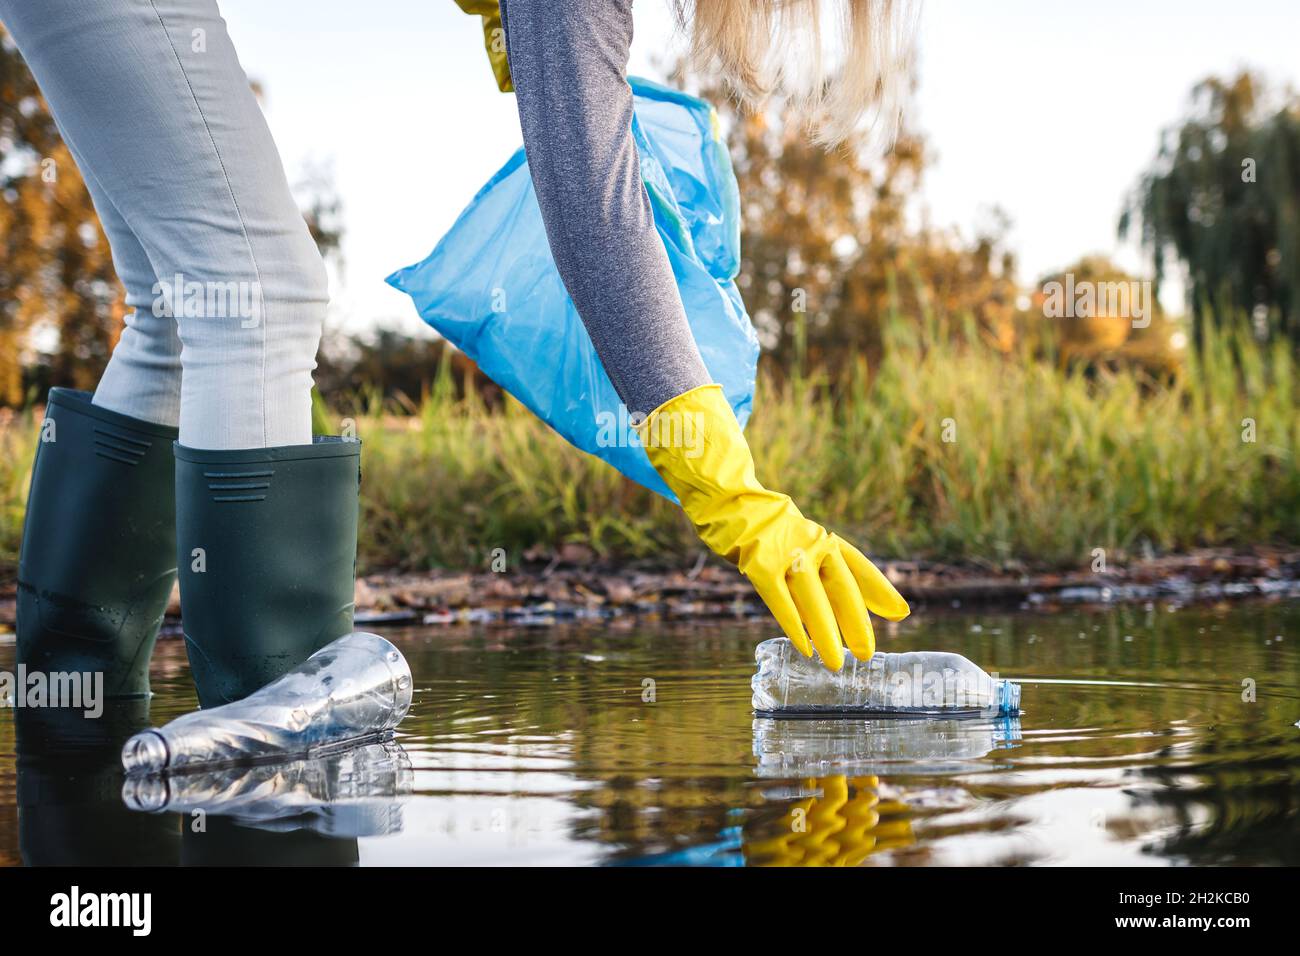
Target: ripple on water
{"points": [[1148, 737]]}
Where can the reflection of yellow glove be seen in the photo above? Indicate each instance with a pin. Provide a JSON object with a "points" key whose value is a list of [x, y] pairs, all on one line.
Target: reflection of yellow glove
{"points": [[494, 38], [808, 578], [833, 829]]}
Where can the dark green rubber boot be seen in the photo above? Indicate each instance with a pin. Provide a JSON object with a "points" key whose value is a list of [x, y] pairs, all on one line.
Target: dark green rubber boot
{"points": [[267, 546], [99, 544], [69, 790]]}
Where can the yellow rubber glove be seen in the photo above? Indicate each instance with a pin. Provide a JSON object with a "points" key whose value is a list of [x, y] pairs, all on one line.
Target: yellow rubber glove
{"points": [[494, 40], [816, 585]]}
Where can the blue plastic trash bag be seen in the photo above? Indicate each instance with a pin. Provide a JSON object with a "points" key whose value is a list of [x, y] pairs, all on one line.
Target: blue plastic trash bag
{"points": [[491, 288]]}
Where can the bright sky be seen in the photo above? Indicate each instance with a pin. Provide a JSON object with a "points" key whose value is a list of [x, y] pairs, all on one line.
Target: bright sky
{"points": [[1047, 108]]}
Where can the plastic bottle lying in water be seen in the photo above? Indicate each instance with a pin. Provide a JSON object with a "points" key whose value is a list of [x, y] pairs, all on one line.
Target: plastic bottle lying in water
{"points": [[918, 682], [357, 688]]}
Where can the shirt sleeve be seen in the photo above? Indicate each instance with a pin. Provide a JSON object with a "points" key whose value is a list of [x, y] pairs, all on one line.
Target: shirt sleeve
{"points": [[568, 60]]}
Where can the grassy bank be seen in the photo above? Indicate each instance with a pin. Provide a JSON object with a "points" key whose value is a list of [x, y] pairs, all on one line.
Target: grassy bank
{"points": [[1041, 465]]}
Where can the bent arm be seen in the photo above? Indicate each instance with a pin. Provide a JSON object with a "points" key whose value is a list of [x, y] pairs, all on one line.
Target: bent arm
{"points": [[568, 60]]}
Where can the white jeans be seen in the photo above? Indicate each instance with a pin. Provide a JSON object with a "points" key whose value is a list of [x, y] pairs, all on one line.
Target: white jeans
{"points": [[226, 288]]}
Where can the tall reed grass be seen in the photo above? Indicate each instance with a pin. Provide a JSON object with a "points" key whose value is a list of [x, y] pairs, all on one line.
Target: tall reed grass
{"points": [[947, 449]]}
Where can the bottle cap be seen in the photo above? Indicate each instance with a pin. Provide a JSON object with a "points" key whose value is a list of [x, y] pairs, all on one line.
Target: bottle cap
{"points": [[146, 752], [1008, 699]]}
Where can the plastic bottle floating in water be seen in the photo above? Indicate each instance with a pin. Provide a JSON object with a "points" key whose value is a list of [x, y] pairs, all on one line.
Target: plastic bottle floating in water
{"points": [[787, 684], [355, 689]]}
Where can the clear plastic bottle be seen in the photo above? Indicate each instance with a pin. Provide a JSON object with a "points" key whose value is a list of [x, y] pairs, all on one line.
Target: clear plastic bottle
{"points": [[917, 682], [356, 688]]}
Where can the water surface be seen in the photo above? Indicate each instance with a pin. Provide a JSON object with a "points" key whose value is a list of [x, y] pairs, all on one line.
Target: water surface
{"points": [[1150, 735]]}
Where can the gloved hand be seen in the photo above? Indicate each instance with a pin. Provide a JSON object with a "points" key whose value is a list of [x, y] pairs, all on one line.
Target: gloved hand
{"points": [[816, 585]]}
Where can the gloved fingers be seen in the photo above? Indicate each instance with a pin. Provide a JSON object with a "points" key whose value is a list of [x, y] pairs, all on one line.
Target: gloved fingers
{"points": [[861, 813], [857, 852], [846, 601], [858, 838], [815, 609], [775, 594], [855, 859], [835, 792], [881, 596], [825, 818]]}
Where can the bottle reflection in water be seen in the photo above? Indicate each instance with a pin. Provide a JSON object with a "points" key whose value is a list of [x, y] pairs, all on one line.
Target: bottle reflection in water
{"points": [[919, 745], [350, 794]]}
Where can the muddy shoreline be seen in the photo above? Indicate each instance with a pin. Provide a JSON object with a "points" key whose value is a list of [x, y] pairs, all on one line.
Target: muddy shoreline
{"points": [[581, 590], [559, 592]]}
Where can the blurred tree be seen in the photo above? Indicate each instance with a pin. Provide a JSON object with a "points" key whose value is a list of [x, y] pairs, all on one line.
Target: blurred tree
{"points": [[1105, 335], [57, 283], [1223, 195], [396, 367], [61, 305], [830, 244]]}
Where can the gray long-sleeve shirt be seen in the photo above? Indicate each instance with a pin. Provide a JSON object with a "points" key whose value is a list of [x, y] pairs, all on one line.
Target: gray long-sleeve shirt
{"points": [[568, 60]]}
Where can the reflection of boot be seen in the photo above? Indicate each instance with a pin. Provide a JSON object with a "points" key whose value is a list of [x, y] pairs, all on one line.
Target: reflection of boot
{"points": [[267, 543], [70, 809], [223, 841], [99, 544]]}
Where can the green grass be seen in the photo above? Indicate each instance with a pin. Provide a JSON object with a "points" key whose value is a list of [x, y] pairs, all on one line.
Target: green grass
{"points": [[1046, 466]]}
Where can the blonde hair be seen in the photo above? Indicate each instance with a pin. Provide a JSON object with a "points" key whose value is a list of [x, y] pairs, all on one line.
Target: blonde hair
{"points": [[762, 46]]}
